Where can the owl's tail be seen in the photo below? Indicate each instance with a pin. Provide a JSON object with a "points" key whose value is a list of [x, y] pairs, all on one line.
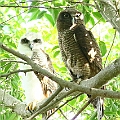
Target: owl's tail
{"points": [[98, 104], [100, 109]]}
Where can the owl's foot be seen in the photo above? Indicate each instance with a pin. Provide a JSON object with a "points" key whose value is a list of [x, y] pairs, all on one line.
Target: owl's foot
{"points": [[79, 80], [32, 106]]}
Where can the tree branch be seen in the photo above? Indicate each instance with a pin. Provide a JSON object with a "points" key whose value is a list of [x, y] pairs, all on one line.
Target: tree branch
{"points": [[16, 61], [87, 86], [65, 103], [110, 12], [17, 71], [85, 105], [11, 102], [15, 6]]}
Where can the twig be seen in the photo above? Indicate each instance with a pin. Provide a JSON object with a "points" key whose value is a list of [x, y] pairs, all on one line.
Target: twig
{"points": [[95, 24], [64, 104], [86, 104], [16, 2], [13, 61], [50, 98], [84, 4], [110, 48], [17, 71], [42, 2], [49, 105], [13, 16], [37, 6], [63, 114]]}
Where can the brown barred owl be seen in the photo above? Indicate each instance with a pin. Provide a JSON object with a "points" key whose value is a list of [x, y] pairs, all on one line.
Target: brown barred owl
{"points": [[37, 87], [79, 50]]}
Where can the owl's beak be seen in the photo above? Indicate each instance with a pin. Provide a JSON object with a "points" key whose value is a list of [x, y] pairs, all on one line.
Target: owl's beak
{"points": [[31, 46], [73, 20]]}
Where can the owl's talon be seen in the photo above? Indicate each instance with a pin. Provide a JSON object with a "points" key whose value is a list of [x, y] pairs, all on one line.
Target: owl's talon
{"points": [[31, 106], [79, 80], [76, 80]]}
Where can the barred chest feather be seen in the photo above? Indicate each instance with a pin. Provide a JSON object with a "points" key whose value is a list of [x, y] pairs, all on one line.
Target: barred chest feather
{"points": [[72, 54]]}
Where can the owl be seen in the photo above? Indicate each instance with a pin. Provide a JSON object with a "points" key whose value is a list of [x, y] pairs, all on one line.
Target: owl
{"points": [[36, 86], [79, 50]]}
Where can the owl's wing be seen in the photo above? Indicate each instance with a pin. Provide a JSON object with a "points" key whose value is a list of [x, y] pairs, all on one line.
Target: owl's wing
{"points": [[91, 51], [89, 48], [44, 61], [48, 85], [50, 66]]}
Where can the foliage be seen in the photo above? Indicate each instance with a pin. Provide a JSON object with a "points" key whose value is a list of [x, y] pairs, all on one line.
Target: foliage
{"points": [[15, 21]]}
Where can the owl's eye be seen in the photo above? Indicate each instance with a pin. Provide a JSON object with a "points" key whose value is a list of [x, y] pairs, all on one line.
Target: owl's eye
{"points": [[66, 15], [37, 40], [25, 40]]}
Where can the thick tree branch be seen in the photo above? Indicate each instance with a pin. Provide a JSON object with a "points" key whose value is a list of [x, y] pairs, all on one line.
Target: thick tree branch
{"points": [[11, 102], [85, 86], [97, 81], [110, 11]]}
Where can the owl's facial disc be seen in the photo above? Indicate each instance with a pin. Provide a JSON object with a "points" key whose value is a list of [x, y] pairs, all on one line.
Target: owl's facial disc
{"points": [[31, 43], [65, 17]]}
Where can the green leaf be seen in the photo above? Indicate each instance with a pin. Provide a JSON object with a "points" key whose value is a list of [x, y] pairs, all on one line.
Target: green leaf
{"points": [[55, 47], [109, 113], [50, 19], [7, 67], [63, 69], [41, 14], [54, 13], [81, 97], [72, 102], [56, 54], [93, 116], [102, 48], [87, 17], [92, 21], [97, 15], [33, 10], [35, 3], [118, 112], [12, 116], [34, 15], [6, 55]]}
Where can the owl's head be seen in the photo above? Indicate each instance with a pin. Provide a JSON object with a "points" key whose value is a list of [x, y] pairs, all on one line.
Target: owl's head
{"points": [[68, 17], [29, 42]]}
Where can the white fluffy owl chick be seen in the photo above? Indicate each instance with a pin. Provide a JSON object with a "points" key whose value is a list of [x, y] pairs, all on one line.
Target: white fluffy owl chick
{"points": [[30, 83]]}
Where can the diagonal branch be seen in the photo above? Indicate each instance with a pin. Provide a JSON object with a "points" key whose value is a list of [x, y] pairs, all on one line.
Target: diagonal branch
{"points": [[97, 81], [65, 104], [86, 104], [85, 86]]}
